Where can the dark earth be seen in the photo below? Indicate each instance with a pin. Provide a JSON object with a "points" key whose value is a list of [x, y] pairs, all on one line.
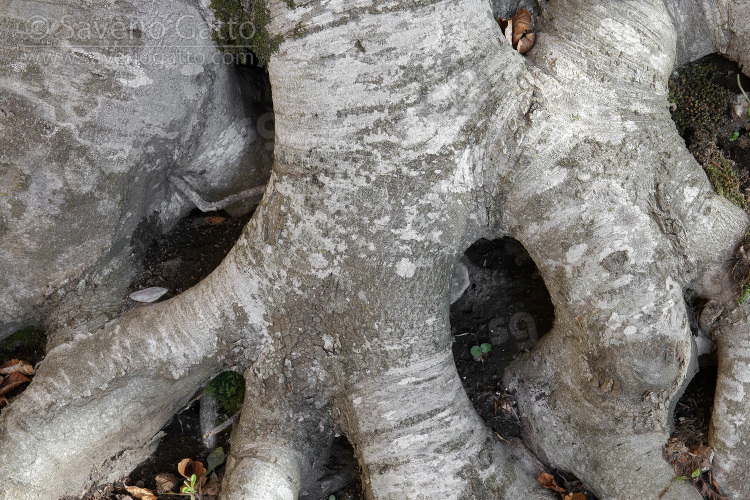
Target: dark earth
{"points": [[506, 304]]}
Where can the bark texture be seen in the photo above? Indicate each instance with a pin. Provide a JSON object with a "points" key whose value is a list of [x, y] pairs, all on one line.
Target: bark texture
{"points": [[101, 104], [403, 133], [620, 219]]}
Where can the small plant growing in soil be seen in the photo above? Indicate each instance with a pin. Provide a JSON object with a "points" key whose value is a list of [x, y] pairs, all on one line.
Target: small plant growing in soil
{"points": [[480, 352]]}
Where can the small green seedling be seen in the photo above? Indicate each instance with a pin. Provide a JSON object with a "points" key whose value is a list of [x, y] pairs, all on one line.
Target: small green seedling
{"points": [[481, 351], [735, 135], [192, 485], [745, 294], [190, 488], [696, 473]]}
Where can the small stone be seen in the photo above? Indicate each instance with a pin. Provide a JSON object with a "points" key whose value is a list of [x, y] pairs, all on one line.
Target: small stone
{"points": [[151, 294], [459, 281]]}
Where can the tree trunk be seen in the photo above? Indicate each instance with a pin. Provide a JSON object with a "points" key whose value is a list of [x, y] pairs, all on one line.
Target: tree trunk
{"points": [[101, 106], [403, 134]]}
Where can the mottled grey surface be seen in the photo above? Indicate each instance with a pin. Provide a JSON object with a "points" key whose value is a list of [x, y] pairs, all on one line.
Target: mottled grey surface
{"points": [[98, 107]]}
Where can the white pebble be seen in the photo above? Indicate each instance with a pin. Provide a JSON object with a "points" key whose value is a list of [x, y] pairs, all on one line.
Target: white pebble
{"points": [[150, 294]]}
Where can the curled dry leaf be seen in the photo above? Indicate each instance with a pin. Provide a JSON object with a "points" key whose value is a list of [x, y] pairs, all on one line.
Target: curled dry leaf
{"points": [[548, 481], [519, 31], [574, 496], [214, 220], [141, 493], [188, 467], [16, 365], [12, 381], [165, 482]]}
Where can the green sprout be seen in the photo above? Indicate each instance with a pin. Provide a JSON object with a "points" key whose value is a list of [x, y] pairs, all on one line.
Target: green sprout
{"points": [[481, 351], [695, 474], [190, 487], [745, 293], [734, 136]]}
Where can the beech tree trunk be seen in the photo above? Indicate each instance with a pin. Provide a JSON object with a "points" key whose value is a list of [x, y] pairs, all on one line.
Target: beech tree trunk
{"points": [[404, 132]]}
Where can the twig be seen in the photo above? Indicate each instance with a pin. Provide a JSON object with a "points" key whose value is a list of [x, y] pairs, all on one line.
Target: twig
{"points": [[208, 206], [222, 426], [743, 90]]}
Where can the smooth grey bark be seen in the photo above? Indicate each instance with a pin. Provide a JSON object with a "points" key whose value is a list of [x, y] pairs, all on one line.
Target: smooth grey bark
{"points": [[729, 24], [101, 105], [620, 221], [404, 133]]}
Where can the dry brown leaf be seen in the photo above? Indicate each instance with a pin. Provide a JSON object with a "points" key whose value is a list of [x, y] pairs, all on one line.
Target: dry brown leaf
{"points": [[165, 482], [523, 33], [212, 487], [518, 30], [188, 467], [707, 492], [16, 365], [4, 401], [12, 381], [548, 481], [214, 220], [141, 493]]}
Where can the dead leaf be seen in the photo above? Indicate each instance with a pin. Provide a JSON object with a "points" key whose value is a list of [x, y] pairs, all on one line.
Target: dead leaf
{"points": [[518, 30], [548, 481], [16, 365], [709, 493], [165, 482], [704, 456], [212, 487], [4, 401], [12, 381], [188, 467], [214, 220], [523, 33], [141, 493]]}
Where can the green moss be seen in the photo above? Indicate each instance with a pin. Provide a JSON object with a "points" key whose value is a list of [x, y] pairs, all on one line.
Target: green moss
{"points": [[243, 32], [299, 30], [27, 344], [228, 389], [701, 114], [26, 338], [700, 102], [725, 181]]}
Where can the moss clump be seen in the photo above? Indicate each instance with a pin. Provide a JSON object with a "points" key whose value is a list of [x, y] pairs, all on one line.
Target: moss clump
{"points": [[27, 343], [701, 115], [700, 102], [243, 30], [228, 389], [725, 180]]}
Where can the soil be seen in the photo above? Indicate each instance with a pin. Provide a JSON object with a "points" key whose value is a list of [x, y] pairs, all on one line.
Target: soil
{"points": [[506, 304]]}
